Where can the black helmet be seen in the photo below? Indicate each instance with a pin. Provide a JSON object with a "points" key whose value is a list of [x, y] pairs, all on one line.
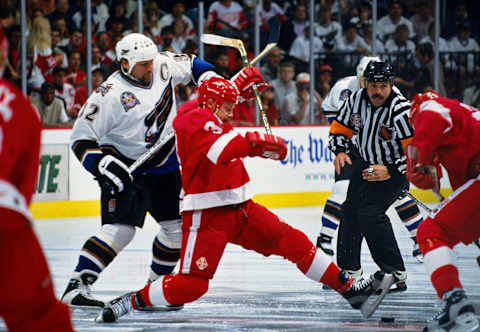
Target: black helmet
{"points": [[378, 71]]}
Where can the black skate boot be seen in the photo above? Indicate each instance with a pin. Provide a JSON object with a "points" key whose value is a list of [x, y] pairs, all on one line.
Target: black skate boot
{"points": [[399, 284], [458, 314], [116, 308], [78, 292], [324, 242]]}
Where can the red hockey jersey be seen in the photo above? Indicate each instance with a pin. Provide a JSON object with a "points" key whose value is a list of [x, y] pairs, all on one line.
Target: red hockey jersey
{"points": [[210, 155], [451, 130], [20, 129]]}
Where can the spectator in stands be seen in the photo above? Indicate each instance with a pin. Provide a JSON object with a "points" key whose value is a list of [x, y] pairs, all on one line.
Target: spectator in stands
{"points": [[118, 16], [463, 43], [60, 24], [422, 19], [324, 80], [81, 94], [222, 63], [387, 25], [40, 60], [51, 108], [293, 28], [65, 91], [327, 30], [267, 97], [284, 85], [75, 43], [457, 20], [176, 13], [399, 46], [166, 38], [227, 18], [442, 43], [296, 107], [268, 10], [270, 69], [104, 42], [179, 36], [100, 15], [425, 79], [300, 49], [351, 42], [63, 11], [364, 18], [98, 61], [379, 47], [75, 76]]}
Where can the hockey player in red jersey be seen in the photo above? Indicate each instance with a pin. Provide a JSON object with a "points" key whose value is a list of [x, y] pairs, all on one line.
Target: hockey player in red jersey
{"points": [[217, 209], [27, 299], [447, 132]]}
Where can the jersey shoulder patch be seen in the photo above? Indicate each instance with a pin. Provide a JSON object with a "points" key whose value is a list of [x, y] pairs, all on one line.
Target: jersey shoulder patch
{"points": [[128, 100], [344, 94]]}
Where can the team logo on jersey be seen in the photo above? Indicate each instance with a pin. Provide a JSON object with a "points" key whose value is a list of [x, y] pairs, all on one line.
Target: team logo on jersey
{"points": [[386, 133], [201, 263], [356, 120], [345, 94], [128, 100]]}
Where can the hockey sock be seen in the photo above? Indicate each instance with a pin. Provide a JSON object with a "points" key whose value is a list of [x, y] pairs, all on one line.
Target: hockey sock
{"points": [[94, 257], [164, 259], [333, 208], [407, 210]]}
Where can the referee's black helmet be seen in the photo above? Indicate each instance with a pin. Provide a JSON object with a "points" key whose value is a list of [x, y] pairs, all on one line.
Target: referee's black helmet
{"points": [[378, 71]]}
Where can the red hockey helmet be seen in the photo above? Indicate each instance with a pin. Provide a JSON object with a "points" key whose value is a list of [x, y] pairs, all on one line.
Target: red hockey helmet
{"points": [[418, 99], [218, 88]]}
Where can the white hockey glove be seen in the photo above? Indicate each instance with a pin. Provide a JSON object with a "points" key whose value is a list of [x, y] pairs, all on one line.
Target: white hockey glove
{"points": [[114, 173]]}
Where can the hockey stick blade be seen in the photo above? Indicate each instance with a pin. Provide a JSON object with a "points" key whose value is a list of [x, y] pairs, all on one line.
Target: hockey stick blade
{"points": [[367, 309], [208, 38]]}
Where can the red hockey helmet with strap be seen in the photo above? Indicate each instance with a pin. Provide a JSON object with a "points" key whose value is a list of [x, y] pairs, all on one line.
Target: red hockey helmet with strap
{"points": [[418, 99], [219, 89]]}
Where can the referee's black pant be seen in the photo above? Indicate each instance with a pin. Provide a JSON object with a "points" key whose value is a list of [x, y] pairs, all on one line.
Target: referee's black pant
{"points": [[364, 215]]}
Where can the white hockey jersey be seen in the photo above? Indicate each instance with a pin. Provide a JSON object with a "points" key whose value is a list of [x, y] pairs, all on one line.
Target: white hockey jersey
{"points": [[125, 119]]}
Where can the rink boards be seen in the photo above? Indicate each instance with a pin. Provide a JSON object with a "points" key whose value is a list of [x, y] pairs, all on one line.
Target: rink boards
{"points": [[304, 178]]}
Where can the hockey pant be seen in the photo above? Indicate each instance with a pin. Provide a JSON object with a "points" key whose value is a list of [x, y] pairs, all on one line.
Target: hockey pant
{"points": [[250, 225], [364, 216], [27, 300], [457, 220]]}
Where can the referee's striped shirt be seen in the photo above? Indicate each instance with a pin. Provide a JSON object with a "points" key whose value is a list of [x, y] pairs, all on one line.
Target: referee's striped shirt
{"points": [[382, 133]]}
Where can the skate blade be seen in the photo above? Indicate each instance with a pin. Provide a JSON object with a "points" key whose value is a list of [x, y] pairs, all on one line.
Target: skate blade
{"points": [[466, 322], [367, 309], [163, 308], [419, 259]]}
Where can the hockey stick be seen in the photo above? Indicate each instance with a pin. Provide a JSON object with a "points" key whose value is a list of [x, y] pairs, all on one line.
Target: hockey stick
{"points": [[238, 44], [419, 202]]}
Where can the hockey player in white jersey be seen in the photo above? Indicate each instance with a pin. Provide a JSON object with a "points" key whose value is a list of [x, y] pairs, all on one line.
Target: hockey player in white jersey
{"points": [[131, 111], [406, 208]]}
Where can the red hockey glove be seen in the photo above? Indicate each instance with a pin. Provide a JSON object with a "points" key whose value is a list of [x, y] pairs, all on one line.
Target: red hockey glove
{"points": [[246, 78], [423, 176], [266, 146]]}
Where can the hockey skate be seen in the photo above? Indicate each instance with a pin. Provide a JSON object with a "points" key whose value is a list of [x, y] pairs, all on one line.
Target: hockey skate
{"points": [[78, 294], [400, 282], [457, 315], [116, 308], [416, 252], [361, 289], [324, 242]]}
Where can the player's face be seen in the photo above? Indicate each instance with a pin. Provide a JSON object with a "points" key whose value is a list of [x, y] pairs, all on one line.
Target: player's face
{"points": [[378, 92], [143, 71], [225, 111]]}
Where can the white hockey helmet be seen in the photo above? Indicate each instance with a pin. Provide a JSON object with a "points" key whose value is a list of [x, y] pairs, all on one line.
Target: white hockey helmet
{"points": [[135, 47], [362, 65]]}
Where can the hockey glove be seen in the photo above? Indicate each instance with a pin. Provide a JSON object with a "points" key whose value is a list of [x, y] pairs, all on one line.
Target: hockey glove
{"points": [[114, 174], [266, 146], [423, 176], [246, 78]]}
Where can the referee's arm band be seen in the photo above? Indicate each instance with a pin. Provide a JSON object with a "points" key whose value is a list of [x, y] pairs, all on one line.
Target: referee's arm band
{"points": [[339, 129], [406, 142]]}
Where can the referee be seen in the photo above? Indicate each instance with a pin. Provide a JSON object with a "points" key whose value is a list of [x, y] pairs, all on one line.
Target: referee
{"points": [[379, 118]]}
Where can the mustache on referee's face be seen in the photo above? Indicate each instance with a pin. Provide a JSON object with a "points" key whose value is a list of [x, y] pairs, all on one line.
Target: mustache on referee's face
{"points": [[377, 96]]}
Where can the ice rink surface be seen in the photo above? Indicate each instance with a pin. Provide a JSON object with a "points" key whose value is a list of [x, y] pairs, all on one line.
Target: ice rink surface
{"points": [[249, 292]]}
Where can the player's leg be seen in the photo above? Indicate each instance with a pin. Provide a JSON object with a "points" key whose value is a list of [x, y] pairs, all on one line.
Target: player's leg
{"points": [[120, 215], [164, 192], [265, 233], [28, 301], [376, 226], [205, 234], [457, 220], [407, 210]]}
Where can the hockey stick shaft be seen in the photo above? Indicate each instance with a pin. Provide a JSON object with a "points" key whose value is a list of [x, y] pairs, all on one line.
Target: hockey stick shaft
{"points": [[238, 44], [154, 149], [419, 202]]}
